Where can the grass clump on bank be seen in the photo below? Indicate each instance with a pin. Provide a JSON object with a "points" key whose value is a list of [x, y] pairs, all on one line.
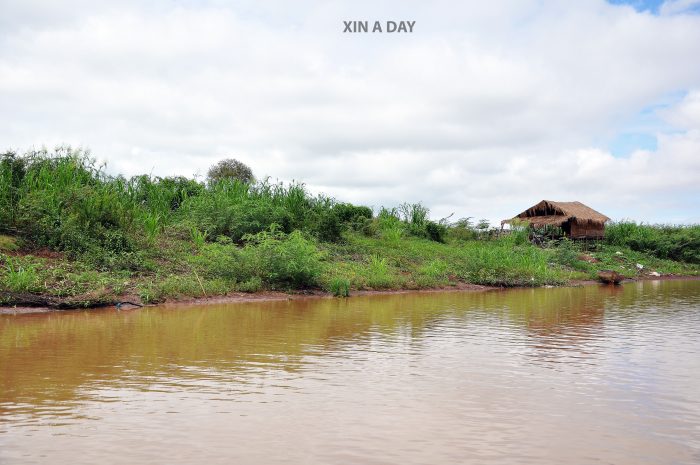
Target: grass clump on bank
{"points": [[70, 231]]}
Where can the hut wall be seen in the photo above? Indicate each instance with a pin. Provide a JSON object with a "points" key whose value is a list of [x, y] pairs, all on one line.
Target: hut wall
{"points": [[587, 230], [566, 228]]}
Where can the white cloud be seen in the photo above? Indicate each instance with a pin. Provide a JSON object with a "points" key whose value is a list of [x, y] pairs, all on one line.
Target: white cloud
{"points": [[670, 7], [484, 110]]}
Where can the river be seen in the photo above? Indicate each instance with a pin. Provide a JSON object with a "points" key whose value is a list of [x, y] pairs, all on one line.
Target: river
{"points": [[585, 375]]}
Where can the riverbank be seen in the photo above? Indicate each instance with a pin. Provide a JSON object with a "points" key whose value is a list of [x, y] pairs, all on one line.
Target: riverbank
{"points": [[177, 270], [72, 236], [276, 296]]}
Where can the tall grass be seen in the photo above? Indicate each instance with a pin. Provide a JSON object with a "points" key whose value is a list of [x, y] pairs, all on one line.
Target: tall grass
{"points": [[65, 200], [19, 278], [499, 263], [198, 237], [339, 287], [681, 243], [378, 274]]}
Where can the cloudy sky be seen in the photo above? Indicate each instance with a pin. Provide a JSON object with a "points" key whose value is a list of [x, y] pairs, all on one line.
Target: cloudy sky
{"points": [[485, 109]]}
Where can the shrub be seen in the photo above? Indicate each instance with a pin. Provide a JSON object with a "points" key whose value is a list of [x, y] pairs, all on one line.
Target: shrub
{"points": [[462, 230], [12, 172], [415, 216], [254, 284], [673, 242], [392, 233], [348, 213], [411, 218], [230, 169], [64, 201], [230, 209], [436, 231], [329, 226], [235, 209], [218, 260], [283, 260]]}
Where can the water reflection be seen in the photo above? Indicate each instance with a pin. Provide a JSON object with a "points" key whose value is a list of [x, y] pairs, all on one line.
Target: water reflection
{"points": [[462, 372]]}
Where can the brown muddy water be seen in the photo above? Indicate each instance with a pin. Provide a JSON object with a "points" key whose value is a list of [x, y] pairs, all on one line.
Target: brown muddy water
{"points": [[545, 376]]}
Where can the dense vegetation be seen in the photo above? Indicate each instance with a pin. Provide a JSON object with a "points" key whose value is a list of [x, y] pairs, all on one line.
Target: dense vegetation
{"points": [[681, 243], [70, 231]]}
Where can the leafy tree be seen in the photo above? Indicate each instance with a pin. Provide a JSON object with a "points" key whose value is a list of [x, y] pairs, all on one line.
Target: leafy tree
{"points": [[230, 169]]}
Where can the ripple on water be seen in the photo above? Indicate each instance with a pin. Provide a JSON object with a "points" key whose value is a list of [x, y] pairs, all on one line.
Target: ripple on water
{"points": [[572, 375]]}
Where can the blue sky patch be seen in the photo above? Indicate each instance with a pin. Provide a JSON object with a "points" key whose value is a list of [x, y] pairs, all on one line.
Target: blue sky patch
{"points": [[654, 6], [640, 131], [640, 5], [627, 142]]}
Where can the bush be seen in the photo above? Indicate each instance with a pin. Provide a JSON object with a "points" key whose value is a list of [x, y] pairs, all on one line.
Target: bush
{"points": [[329, 226], [462, 230], [231, 210], [12, 172], [328, 220], [234, 209], [230, 169], [415, 217], [199, 238], [348, 213], [254, 284], [282, 260], [680, 243], [218, 260], [410, 218], [436, 231]]}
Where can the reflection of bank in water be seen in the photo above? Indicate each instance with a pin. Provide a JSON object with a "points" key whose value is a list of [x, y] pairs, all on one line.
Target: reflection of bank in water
{"points": [[54, 357], [564, 325]]}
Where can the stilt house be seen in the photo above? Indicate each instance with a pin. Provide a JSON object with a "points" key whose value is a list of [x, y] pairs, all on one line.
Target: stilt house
{"points": [[576, 220]]}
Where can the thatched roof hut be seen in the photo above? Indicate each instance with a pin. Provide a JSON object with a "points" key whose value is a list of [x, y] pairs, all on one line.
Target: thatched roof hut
{"points": [[576, 220]]}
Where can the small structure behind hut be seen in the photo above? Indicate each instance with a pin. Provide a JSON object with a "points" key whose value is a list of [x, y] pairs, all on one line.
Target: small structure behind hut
{"points": [[576, 220]]}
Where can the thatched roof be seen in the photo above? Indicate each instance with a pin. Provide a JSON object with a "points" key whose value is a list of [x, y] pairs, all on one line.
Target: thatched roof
{"points": [[548, 212]]}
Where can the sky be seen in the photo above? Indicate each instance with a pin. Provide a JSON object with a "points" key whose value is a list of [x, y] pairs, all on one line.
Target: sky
{"points": [[485, 109]]}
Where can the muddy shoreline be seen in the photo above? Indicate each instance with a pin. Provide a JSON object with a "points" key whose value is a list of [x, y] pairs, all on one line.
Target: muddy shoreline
{"points": [[270, 296]]}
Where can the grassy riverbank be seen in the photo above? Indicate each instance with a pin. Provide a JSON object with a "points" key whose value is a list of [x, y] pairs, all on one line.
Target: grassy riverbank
{"points": [[71, 235]]}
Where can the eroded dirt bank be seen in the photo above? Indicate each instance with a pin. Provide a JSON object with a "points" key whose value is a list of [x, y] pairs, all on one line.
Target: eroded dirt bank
{"points": [[240, 297]]}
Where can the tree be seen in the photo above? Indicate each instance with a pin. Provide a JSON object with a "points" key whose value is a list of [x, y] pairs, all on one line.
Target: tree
{"points": [[230, 169]]}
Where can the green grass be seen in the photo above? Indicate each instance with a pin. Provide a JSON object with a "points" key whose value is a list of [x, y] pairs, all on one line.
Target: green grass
{"points": [[19, 278], [339, 287], [8, 244]]}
